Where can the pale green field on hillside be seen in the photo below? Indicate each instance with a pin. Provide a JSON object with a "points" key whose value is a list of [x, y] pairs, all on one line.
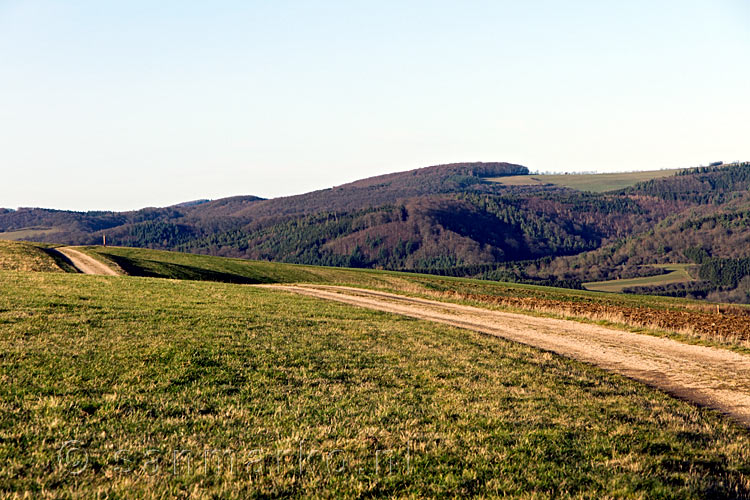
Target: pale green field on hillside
{"points": [[678, 274], [29, 233], [597, 183]]}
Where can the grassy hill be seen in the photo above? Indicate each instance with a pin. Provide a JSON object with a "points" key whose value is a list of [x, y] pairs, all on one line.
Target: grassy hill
{"points": [[688, 320], [183, 266], [21, 256], [143, 387]]}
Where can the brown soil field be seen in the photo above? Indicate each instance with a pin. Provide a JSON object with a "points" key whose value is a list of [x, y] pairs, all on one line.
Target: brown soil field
{"points": [[722, 323]]}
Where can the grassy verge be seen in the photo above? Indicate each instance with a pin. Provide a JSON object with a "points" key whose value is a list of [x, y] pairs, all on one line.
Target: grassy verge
{"points": [[131, 377], [176, 265], [680, 319]]}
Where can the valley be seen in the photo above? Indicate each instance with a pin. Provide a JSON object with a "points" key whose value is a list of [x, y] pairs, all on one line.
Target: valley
{"points": [[459, 220], [374, 250]]}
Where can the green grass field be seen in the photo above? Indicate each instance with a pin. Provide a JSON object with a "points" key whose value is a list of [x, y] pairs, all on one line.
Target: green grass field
{"points": [[661, 316], [597, 183], [678, 274], [142, 387], [654, 315], [175, 265], [30, 233]]}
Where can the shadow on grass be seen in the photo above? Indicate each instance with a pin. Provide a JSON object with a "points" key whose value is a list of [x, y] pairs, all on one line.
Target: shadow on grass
{"points": [[60, 259], [156, 269]]}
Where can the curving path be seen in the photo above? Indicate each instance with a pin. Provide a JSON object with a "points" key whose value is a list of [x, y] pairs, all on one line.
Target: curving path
{"points": [[713, 377], [85, 263]]}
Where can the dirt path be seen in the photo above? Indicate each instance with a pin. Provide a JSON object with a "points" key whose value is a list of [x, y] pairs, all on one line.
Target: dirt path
{"points": [[86, 264], [713, 377]]}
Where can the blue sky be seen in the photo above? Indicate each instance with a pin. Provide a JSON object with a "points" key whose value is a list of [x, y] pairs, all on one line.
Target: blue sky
{"points": [[121, 105]]}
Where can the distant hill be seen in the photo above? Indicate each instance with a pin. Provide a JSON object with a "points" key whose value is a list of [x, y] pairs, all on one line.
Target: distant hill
{"points": [[468, 219], [710, 228], [174, 226], [375, 191]]}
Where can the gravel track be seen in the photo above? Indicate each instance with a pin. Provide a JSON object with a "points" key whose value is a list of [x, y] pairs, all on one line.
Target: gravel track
{"points": [[86, 264], [713, 377]]}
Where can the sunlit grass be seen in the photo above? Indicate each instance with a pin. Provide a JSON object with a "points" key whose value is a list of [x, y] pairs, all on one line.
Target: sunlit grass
{"points": [[129, 370], [21, 256]]}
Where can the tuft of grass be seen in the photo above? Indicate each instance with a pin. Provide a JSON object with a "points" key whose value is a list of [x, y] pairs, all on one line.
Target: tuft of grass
{"points": [[153, 388]]}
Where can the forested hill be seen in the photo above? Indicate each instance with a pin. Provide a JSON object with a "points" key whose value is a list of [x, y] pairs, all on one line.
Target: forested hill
{"points": [[448, 219], [171, 226], [709, 229], [375, 191]]}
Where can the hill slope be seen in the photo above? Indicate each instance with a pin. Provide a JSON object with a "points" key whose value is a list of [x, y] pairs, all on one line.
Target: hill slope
{"points": [[153, 388], [20, 256], [447, 219], [712, 231]]}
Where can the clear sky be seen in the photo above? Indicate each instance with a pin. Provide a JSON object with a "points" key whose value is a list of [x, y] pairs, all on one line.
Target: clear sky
{"points": [[121, 105]]}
